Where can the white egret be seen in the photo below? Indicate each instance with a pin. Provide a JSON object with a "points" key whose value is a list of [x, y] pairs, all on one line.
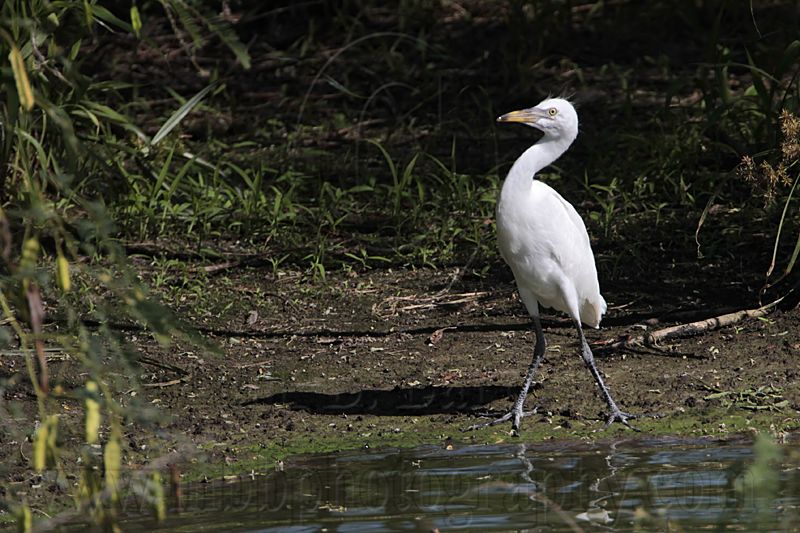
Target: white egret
{"points": [[544, 241]]}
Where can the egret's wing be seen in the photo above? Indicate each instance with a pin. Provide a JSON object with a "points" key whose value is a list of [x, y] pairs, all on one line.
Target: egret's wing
{"points": [[574, 254]]}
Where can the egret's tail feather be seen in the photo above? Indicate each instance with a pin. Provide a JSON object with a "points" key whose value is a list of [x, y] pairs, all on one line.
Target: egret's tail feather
{"points": [[592, 312]]}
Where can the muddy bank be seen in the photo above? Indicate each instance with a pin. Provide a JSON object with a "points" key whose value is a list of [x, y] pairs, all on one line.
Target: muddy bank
{"points": [[392, 357]]}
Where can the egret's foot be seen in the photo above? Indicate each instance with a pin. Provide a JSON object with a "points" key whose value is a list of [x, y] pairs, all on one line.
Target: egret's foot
{"points": [[513, 415], [622, 417]]}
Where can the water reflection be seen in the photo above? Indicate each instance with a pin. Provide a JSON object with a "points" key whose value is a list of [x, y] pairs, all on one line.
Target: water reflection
{"points": [[645, 485]]}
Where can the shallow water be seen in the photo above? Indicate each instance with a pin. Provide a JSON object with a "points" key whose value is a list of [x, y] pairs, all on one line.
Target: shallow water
{"points": [[644, 485]]}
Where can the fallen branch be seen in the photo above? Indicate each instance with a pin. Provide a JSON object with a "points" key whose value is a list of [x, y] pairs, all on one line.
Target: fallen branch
{"points": [[688, 315], [686, 330]]}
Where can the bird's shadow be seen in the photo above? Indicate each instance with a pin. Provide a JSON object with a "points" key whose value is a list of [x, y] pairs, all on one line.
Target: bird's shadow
{"points": [[395, 402]]}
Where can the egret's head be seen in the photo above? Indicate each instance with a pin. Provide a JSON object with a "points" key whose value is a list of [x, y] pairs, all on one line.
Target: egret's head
{"points": [[555, 117]]}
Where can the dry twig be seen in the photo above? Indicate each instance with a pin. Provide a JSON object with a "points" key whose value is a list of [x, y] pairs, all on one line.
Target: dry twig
{"points": [[394, 304], [162, 384], [687, 330]]}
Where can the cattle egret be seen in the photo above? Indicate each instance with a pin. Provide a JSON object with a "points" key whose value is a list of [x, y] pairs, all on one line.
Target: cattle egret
{"points": [[544, 241]]}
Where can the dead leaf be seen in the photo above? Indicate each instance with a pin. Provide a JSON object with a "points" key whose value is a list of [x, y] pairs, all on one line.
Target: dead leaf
{"points": [[437, 335]]}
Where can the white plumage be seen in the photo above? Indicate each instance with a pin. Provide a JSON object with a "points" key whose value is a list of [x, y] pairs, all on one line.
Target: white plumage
{"points": [[557, 266], [544, 241]]}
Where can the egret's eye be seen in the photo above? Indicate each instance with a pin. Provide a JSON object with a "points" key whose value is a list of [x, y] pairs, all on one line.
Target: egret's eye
{"points": [[552, 111]]}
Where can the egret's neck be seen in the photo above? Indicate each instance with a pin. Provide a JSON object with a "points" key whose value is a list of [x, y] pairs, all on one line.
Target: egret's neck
{"points": [[532, 160]]}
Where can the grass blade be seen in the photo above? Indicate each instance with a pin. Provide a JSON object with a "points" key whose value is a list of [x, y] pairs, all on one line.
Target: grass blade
{"points": [[24, 89], [100, 12], [180, 114], [778, 238], [231, 40]]}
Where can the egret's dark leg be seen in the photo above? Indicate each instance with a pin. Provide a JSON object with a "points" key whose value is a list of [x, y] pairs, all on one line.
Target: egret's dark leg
{"points": [[538, 355], [517, 413], [616, 414]]}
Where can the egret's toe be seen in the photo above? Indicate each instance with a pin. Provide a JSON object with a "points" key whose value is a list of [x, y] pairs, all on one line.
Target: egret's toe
{"points": [[514, 415], [622, 417]]}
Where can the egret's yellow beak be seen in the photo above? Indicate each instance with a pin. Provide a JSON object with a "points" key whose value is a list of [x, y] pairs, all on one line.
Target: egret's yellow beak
{"points": [[526, 116]]}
